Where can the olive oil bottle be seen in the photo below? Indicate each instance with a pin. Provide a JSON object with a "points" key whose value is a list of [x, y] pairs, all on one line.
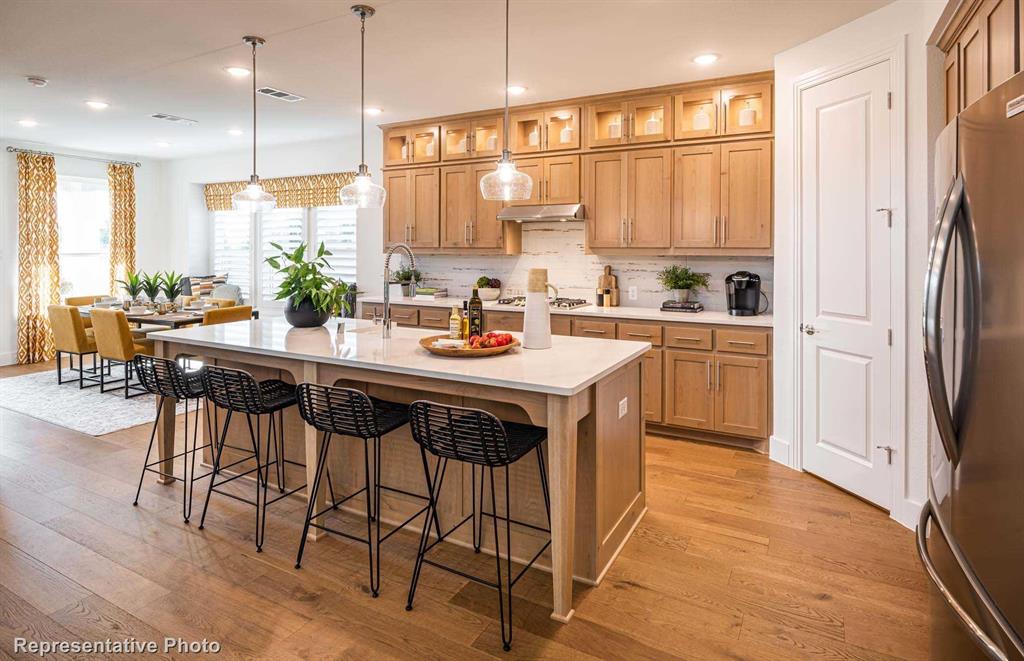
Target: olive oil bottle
{"points": [[455, 324], [476, 314], [465, 320]]}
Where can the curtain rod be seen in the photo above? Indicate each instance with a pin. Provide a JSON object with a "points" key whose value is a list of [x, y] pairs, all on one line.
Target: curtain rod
{"points": [[84, 158]]}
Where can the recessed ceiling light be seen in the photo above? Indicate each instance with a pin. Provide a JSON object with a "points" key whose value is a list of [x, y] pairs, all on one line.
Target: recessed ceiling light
{"points": [[373, 111], [97, 105], [163, 143], [516, 90], [237, 72], [235, 132], [705, 59], [28, 123]]}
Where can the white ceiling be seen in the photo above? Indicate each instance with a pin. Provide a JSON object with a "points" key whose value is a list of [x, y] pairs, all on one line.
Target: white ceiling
{"points": [[424, 57]]}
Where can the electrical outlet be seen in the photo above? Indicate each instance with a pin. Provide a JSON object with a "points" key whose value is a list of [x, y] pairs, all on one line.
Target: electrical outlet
{"points": [[632, 293], [623, 407]]}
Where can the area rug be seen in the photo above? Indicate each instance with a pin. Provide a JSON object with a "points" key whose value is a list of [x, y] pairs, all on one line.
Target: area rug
{"points": [[88, 411]]}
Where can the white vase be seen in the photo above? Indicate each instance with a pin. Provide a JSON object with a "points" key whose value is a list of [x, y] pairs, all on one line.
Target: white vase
{"points": [[537, 321]]}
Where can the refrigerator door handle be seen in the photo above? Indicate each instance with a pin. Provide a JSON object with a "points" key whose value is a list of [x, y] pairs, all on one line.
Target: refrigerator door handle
{"points": [[934, 282], [976, 632]]}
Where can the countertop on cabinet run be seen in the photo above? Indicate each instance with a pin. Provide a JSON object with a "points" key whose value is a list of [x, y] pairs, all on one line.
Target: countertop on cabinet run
{"points": [[620, 312], [568, 367]]}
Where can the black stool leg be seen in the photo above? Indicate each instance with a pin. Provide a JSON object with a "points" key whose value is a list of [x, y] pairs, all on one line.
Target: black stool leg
{"points": [[262, 475], [503, 605], [218, 450], [190, 472], [321, 463], [544, 483], [279, 452], [149, 450], [370, 497], [433, 494]]}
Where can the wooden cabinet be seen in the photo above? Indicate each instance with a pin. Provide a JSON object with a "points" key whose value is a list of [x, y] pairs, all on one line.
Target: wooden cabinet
{"points": [[628, 197], [556, 180], [645, 119], [419, 144], [972, 63], [547, 130], [697, 114], [746, 204], [467, 219], [696, 196], [475, 138], [741, 395], [747, 109], [412, 208], [405, 315], [689, 395], [951, 75], [496, 320], [584, 327], [652, 385], [434, 317]]}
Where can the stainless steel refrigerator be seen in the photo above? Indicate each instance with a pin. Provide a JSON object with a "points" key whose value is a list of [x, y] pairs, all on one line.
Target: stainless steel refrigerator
{"points": [[971, 532]]}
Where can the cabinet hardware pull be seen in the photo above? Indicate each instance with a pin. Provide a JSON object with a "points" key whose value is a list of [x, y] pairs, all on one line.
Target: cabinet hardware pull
{"points": [[718, 375], [742, 343], [716, 230], [622, 233], [546, 135], [594, 330], [629, 232], [472, 233], [725, 229], [682, 338], [709, 374], [639, 334]]}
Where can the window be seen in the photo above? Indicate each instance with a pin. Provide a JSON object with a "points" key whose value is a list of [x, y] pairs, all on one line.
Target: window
{"points": [[83, 220], [235, 232]]}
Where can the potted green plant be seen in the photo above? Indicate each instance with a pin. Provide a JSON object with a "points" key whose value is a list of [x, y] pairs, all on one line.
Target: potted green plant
{"points": [[151, 285], [310, 295], [132, 285], [404, 276], [170, 284], [680, 280]]}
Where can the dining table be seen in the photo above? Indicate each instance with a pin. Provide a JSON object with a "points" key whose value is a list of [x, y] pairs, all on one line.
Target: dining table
{"points": [[171, 320]]}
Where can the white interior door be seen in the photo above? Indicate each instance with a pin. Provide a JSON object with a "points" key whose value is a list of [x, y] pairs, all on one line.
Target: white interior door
{"points": [[845, 187]]}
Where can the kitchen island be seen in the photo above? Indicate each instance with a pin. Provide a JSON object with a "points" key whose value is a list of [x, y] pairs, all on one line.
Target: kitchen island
{"points": [[586, 392]]}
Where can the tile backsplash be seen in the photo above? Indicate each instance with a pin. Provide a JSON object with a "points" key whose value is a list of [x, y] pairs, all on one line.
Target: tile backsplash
{"points": [[558, 247]]}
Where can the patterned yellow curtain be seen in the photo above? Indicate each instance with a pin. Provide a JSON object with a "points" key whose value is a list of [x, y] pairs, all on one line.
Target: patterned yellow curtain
{"points": [[315, 190], [121, 179], [38, 262]]}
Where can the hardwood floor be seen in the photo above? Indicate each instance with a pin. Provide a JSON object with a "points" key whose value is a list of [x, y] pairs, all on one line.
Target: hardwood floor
{"points": [[737, 558]]}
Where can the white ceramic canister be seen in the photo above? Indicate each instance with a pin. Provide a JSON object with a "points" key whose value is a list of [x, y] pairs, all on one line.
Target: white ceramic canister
{"points": [[537, 318]]}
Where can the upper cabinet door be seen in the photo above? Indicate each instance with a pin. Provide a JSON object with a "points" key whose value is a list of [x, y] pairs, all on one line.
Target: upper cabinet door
{"points": [[425, 186], [562, 128], [999, 25], [604, 196], [527, 132], [973, 81], [397, 209], [607, 124], [534, 168], [697, 114], [696, 196], [397, 143], [649, 199], [650, 119], [952, 77], [486, 136], [456, 141], [746, 194], [457, 202], [561, 180], [747, 109], [424, 144], [486, 231]]}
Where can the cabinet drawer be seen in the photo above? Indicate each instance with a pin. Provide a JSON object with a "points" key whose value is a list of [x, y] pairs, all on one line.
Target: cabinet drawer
{"points": [[743, 341], [434, 317], [503, 321], [368, 310], [405, 315], [640, 333], [688, 337], [587, 328], [561, 324]]}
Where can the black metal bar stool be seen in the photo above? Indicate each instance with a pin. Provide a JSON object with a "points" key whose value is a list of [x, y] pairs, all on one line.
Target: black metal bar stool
{"points": [[238, 392], [165, 378], [480, 439], [348, 412]]}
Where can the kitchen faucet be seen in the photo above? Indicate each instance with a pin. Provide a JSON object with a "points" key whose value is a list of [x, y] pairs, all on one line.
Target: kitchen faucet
{"points": [[386, 319]]}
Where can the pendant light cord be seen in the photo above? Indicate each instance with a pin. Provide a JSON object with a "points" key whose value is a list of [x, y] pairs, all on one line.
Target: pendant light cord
{"points": [[505, 132], [362, 88], [254, 109]]}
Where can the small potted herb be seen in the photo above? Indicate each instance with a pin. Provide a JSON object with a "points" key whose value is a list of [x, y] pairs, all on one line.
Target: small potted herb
{"points": [[311, 296], [489, 289], [680, 280], [132, 285], [405, 276]]}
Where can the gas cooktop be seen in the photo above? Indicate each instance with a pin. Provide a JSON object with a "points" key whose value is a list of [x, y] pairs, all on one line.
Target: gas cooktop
{"points": [[560, 302]]}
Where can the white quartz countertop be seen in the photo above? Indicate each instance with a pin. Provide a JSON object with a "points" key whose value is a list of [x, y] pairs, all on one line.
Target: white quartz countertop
{"points": [[571, 364], [620, 312]]}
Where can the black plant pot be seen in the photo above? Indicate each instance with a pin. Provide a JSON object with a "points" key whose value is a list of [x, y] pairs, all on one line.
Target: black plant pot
{"points": [[304, 315]]}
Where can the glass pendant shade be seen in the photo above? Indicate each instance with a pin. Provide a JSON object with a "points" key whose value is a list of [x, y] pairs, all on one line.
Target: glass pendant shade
{"points": [[253, 198], [362, 193], [506, 183]]}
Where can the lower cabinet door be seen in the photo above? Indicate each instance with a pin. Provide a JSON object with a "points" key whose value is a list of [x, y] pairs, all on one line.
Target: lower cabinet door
{"points": [[652, 385], [741, 395], [688, 398]]}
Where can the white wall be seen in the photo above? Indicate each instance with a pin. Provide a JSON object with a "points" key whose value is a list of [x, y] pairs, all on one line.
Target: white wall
{"points": [[150, 209], [188, 247], [912, 21]]}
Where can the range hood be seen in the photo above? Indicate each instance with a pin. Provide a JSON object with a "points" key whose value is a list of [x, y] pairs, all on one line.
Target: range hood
{"points": [[543, 212]]}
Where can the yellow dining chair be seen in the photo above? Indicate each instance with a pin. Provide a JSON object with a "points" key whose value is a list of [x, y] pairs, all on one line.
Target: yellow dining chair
{"points": [[116, 345], [79, 301], [71, 337], [222, 302], [227, 315]]}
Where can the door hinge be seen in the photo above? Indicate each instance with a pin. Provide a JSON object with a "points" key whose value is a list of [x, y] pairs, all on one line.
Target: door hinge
{"points": [[888, 336], [888, 100]]}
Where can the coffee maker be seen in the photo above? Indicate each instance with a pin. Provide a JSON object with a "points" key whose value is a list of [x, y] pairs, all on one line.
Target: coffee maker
{"points": [[743, 294]]}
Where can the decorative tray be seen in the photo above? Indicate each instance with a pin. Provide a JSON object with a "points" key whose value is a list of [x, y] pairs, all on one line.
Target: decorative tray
{"points": [[464, 352]]}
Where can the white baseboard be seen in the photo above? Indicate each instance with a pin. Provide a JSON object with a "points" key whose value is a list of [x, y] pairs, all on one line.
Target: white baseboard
{"points": [[9, 358], [780, 451], [906, 513]]}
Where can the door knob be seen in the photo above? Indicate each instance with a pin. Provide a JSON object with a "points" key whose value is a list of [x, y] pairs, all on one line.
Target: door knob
{"points": [[888, 452], [808, 329]]}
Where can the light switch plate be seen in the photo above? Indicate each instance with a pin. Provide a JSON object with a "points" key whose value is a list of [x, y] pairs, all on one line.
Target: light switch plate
{"points": [[623, 407], [632, 293]]}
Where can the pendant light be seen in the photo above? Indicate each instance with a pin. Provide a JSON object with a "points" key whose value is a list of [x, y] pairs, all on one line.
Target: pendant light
{"points": [[506, 183], [362, 193], [253, 197]]}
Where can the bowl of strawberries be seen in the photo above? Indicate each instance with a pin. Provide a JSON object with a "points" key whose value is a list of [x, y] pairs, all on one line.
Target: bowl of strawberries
{"points": [[478, 346]]}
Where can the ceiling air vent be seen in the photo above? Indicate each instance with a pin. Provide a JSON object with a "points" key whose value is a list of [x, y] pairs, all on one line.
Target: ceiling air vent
{"points": [[281, 94], [174, 118]]}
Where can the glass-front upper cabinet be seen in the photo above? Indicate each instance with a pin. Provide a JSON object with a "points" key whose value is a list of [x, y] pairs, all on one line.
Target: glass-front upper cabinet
{"points": [[647, 119], [476, 138], [412, 145], [747, 109], [549, 130], [697, 114]]}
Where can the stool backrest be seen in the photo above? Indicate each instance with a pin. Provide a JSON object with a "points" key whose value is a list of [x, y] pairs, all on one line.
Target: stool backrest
{"points": [[459, 433], [232, 389], [337, 410], [161, 376]]}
